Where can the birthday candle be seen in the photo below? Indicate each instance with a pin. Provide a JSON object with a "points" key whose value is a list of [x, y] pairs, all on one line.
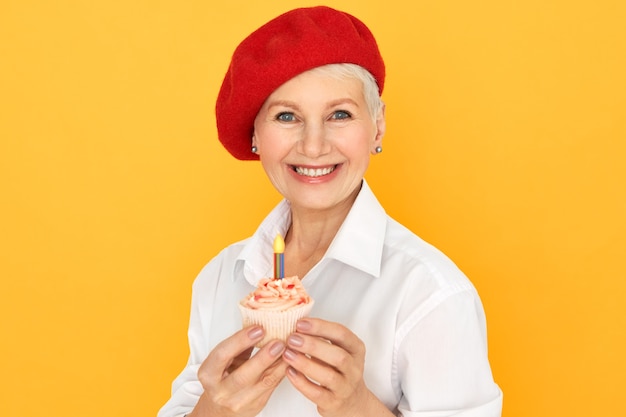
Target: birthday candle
{"points": [[279, 257]]}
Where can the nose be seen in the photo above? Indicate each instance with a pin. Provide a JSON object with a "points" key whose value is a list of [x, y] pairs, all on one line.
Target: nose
{"points": [[314, 141]]}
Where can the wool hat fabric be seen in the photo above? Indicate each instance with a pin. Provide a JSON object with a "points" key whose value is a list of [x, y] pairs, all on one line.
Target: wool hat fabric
{"points": [[286, 46]]}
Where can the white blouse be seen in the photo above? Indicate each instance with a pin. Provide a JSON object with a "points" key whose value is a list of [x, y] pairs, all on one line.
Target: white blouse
{"points": [[420, 318]]}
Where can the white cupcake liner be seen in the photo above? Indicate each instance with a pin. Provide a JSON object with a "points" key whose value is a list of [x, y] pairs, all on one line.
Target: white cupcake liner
{"points": [[277, 324]]}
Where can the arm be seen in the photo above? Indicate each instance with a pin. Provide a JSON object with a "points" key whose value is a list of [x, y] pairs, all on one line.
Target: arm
{"points": [[219, 354], [443, 362]]}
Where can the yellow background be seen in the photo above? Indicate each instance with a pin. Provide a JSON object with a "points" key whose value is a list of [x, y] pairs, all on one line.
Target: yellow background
{"points": [[505, 148]]}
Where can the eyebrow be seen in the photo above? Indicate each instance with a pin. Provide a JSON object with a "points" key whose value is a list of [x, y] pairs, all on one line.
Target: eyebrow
{"points": [[346, 100], [294, 105], [283, 103]]}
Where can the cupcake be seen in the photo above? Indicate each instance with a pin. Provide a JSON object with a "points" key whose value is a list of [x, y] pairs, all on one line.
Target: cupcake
{"points": [[276, 305]]}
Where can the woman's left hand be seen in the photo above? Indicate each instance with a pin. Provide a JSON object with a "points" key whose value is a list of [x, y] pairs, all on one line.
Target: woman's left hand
{"points": [[326, 365]]}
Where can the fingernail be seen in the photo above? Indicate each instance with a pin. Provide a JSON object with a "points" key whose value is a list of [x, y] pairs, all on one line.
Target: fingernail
{"points": [[304, 325], [277, 348], [289, 354], [255, 333], [295, 340], [292, 371]]}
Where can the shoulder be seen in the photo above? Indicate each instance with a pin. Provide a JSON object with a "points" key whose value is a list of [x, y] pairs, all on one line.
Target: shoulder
{"points": [[221, 264], [430, 286], [424, 277], [411, 254]]}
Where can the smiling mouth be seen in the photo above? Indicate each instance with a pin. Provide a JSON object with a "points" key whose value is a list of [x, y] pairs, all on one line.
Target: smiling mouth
{"points": [[314, 172]]}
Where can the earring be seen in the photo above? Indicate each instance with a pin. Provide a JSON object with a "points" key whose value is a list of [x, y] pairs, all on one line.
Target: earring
{"points": [[378, 149], [254, 149]]}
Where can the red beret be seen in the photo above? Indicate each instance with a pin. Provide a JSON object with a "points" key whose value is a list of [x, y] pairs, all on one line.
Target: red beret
{"points": [[286, 46]]}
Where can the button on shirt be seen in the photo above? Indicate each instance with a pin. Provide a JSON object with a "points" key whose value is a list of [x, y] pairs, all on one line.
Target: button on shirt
{"points": [[420, 318]]}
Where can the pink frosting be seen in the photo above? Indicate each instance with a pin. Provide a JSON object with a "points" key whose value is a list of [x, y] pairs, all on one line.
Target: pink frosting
{"points": [[277, 294]]}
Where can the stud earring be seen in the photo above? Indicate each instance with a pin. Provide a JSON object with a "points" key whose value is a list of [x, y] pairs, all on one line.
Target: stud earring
{"points": [[378, 149], [254, 149]]}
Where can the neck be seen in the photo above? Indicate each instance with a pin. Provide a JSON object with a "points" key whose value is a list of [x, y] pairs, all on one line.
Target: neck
{"points": [[311, 233]]}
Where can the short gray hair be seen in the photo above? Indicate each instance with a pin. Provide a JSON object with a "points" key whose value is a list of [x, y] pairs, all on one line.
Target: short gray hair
{"points": [[370, 87]]}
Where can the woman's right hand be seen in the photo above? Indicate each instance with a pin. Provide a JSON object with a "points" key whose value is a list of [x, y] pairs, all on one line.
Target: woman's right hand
{"points": [[236, 384]]}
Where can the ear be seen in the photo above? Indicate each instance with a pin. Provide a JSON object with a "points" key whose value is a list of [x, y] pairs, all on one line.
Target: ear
{"points": [[381, 127]]}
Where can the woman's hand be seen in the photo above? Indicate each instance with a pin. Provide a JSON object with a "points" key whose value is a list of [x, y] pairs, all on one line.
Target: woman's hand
{"points": [[236, 384], [326, 365]]}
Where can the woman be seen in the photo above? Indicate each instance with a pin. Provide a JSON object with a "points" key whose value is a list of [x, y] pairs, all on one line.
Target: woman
{"points": [[396, 328]]}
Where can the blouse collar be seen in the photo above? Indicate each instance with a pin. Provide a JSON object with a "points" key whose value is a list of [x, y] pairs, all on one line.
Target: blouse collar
{"points": [[358, 243]]}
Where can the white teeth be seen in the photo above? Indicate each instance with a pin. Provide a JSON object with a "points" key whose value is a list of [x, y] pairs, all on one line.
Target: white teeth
{"points": [[314, 172]]}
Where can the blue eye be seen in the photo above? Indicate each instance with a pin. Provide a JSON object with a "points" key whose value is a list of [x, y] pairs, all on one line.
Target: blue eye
{"points": [[285, 117], [341, 115]]}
